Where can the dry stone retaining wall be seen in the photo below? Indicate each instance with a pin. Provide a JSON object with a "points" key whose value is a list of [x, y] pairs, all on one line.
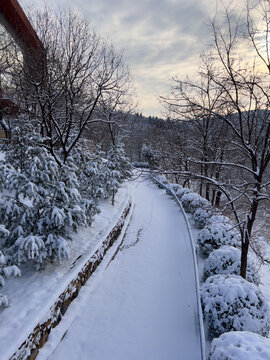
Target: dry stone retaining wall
{"points": [[30, 347]]}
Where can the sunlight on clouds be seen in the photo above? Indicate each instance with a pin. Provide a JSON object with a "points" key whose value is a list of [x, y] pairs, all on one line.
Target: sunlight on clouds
{"points": [[151, 82], [160, 38]]}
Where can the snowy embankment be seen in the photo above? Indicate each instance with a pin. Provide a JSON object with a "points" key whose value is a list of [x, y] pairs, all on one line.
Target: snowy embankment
{"points": [[35, 296], [144, 305]]}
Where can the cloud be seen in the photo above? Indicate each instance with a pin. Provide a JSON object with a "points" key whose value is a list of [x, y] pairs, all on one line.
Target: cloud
{"points": [[159, 37]]}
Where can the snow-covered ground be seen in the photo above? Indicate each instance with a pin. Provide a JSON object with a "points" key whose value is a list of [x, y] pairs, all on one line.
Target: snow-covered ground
{"points": [[32, 295], [265, 275], [143, 305]]}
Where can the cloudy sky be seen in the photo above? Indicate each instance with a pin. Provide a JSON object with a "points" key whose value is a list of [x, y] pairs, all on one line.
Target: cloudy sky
{"points": [[160, 38]]}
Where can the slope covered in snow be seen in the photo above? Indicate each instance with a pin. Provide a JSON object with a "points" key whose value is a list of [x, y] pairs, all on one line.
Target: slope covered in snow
{"points": [[32, 295], [143, 306]]}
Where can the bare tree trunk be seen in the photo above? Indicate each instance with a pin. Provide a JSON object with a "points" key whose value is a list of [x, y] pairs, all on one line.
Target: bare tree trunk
{"points": [[246, 234], [213, 197], [217, 201], [207, 192], [244, 255]]}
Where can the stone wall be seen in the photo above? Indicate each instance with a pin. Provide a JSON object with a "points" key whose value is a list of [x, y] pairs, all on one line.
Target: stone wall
{"points": [[30, 347]]}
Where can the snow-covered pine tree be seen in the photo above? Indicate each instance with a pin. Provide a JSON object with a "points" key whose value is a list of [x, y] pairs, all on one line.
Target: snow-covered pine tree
{"points": [[149, 155], [118, 168], [90, 172], [41, 202], [119, 161], [98, 175], [5, 270]]}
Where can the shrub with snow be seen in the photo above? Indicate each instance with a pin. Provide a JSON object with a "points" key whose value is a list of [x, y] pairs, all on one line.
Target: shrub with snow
{"points": [[199, 203], [181, 191], [187, 199], [220, 219], [240, 345], [174, 187], [6, 272], [162, 179], [227, 261], [201, 215], [192, 201], [233, 303], [215, 235]]}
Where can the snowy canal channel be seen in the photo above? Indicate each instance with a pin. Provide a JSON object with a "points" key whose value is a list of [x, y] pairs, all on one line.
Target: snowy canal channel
{"points": [[143, 306]]}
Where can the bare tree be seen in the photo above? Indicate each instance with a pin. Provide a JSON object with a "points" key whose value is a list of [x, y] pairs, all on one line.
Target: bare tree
{"points": [[81, 70], [234, 89], [114, 108]]}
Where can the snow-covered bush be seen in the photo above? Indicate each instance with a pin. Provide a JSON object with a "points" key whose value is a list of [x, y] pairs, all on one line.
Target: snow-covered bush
{"points": [[192, 201], [175, 187], [215, 235], [6, 272], [199, 203], [162, 179], [220, 219], [240, 345], [226, 261], [201, 215], [233, 303], [187, 199], [181, 191]]}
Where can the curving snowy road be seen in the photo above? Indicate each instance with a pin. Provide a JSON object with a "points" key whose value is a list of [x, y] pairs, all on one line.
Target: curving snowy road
{"points": [[143, 306]]}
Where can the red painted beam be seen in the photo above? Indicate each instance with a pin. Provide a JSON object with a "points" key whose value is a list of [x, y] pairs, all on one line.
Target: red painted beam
{"points": [[15, 21], [13, 18]]}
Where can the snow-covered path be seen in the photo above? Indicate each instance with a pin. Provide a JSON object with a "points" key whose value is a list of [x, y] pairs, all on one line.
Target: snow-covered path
{"points": [[143, 306]]}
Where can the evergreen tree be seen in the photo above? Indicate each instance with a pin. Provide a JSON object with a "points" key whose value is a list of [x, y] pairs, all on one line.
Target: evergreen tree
{"points": [[5, 270], [118, 168], [41, 202]]}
